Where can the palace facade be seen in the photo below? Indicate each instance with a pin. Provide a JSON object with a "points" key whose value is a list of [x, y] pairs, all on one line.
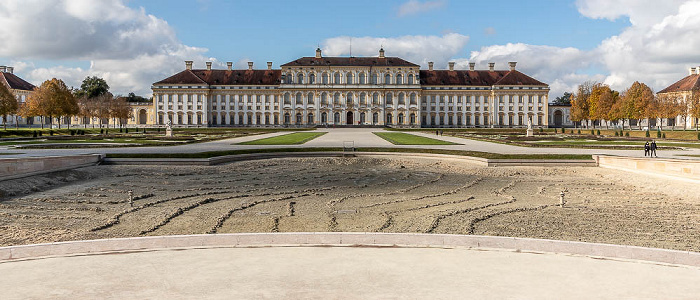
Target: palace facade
{"points": [[351, 91]]}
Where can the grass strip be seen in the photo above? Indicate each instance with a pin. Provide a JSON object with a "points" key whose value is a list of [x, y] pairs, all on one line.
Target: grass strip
{"points": [[486, 155], [401, 138], [295, 138]]}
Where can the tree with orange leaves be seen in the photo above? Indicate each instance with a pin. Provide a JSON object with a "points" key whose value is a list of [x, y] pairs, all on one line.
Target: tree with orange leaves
{"points": [[52, 99], [8, 104]]}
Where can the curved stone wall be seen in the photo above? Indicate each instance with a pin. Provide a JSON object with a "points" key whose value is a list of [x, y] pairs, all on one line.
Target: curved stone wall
{"points": [[347, 239]]}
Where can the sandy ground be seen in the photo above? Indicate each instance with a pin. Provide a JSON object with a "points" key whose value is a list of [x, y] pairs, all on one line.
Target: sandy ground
{"points": [[352, 194]]}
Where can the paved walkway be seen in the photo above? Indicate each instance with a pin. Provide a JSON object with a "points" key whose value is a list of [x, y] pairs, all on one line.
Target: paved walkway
{"points": [[271, 272], [363, 137]]}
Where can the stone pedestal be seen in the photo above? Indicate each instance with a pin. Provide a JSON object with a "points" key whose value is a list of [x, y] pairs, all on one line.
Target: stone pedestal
{"points": [[169, 132], [529, 132]]}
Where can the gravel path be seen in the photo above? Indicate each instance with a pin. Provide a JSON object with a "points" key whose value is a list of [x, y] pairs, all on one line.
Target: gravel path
{"points": [[369, 194]]}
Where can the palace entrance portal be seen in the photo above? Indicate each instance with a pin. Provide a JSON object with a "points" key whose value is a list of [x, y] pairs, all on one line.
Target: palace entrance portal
{"points": [[349, 118]]}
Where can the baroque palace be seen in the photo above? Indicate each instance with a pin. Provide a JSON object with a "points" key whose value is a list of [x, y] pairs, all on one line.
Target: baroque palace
{"points": [[377, 91]]}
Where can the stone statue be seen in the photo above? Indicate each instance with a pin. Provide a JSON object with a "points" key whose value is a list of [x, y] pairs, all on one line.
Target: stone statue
{"points": [[169, 129], [529, 132]]}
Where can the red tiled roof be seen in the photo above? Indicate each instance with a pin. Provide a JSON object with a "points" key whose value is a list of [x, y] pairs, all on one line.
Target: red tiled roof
{"points": [[224, 77], [15, 82], [690, 82], [351, 61], [477, 78]]}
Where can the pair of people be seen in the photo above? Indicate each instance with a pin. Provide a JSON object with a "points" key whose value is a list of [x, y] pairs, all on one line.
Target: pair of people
{"points": [[650, 149]]}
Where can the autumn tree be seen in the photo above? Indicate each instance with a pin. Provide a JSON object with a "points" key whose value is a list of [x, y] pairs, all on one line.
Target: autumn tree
{"points": [[579, 102], [120, 110], [52, 99], [8, 104], [694, 106], [600, 102], [666, 107], [637, 100]]}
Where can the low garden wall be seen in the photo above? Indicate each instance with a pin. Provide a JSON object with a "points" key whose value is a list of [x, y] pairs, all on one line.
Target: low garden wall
{"points": [[12, 168], [676, 168]]}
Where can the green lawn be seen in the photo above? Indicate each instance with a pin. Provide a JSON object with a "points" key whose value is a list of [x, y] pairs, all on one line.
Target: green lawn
{"points": [[400, 138], [487, 155], [295, 138]]}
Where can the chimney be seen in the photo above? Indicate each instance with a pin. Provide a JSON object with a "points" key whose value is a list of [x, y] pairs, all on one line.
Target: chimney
{"points": [[250, 65], [230, 65], [491, 65], [430, 66], [381, 52], [3, 69], [452, 65], [318, 52], [269, 65], [512, 65], [471, 66], [10, 70], [188, 64], [208, 66]]}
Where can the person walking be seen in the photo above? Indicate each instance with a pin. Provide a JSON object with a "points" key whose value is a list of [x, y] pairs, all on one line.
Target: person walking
{"points": [[653, 149], [646, 149]]}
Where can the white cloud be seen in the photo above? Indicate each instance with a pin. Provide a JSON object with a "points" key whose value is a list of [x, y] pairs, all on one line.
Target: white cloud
{"points": [[413, 7], [657, 53], [127, 47], [414, 48], [558, 67], [640, 12]]}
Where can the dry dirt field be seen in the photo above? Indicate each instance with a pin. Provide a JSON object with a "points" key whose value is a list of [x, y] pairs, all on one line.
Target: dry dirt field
{"points": [[352, 194]]}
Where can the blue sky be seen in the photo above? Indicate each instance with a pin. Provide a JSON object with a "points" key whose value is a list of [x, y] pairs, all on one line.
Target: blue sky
{"points": [[284, 30], [133, 43]]}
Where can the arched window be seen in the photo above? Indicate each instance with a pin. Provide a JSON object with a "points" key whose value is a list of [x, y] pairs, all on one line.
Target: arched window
{"points": [[324, 118], [336, 118], [387, 79], [336, 78], [299, 100], [349, 100], [389, 99], [375, 118], [300, 78], [287, 99], [286, 118], [324, 78], [410, 78], [324, 99], [289, 77], [310, 118], [310, 98], [375, 99], [298, 118], [400, 118], [399, 79], [362, 78], [312, 79], [363, 99], [389, 120], [402, 100], [336, 99], [413, 99], [413, 119], [374, 78], [348, 78]]}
